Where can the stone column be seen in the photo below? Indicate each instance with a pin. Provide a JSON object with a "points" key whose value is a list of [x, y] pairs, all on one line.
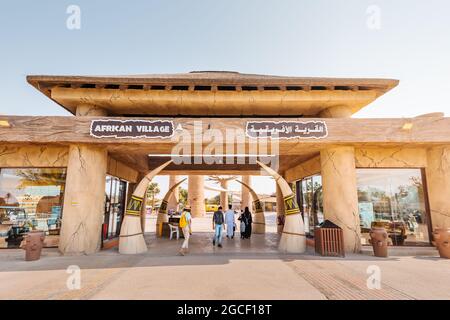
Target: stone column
{"points": [[340, 198], [246, 197], [280, 208], [438, 185], [83, 200], [223, 194], [196, 195], [174, 197], [336, 112]]}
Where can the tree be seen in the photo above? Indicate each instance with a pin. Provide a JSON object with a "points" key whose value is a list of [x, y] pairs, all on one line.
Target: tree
{"points": [[225, 197], [213, 200], [183, 196], [152, 191]]}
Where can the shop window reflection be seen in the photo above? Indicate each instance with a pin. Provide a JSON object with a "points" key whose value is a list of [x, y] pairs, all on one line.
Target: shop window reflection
{"points": [[393, 199], [309, 196], [30, 199]]}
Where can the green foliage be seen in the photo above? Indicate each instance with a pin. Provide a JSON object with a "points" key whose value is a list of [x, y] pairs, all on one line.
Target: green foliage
{"points": [[152, 191], [183, 196], [213, 200]]}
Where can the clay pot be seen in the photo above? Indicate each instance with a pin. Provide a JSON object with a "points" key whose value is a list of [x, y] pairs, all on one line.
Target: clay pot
{"points": [[441, 241], [34, 242], [379, 241]]}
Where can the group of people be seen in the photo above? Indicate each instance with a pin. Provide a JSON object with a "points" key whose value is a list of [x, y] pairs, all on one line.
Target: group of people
{"points": [[227, 221], [221, 222]]}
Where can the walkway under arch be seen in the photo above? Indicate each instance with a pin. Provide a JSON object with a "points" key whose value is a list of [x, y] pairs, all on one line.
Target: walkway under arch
{"points": [[201, 240]]}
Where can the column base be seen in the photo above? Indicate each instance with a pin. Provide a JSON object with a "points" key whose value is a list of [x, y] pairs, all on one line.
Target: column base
{"points": [[293, 239]]}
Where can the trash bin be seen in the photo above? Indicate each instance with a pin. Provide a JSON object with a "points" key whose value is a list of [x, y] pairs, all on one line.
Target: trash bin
{"points": [[379, 241], [329, 239], [441, 241], [34, 241]]}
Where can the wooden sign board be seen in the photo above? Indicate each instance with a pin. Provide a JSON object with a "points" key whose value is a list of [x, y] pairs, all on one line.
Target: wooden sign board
{"points": [[287, 129], [111, 128]]}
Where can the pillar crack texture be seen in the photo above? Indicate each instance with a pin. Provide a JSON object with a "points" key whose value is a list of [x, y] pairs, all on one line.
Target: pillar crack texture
{"points": [[81, 159]]}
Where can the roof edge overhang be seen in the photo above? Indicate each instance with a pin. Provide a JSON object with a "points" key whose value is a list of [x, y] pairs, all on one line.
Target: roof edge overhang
{"points": [[366, 83], [229, 81]]}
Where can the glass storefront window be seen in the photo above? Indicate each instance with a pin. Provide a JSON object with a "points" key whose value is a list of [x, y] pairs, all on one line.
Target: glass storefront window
{"points": [[30, 199], [115, 197], [309, 197], [394, 199]]}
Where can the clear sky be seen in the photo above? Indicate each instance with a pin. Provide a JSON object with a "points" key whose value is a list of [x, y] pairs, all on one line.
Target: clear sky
{"points": [[407, 40]]}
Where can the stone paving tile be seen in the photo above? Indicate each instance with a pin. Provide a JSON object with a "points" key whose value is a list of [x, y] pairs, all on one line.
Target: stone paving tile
{"points": [[208, 277], [337, 282], [267, 273]]}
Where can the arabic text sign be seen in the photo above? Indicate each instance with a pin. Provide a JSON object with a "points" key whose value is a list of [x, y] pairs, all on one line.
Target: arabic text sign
{"points": [[110, 128], [287, 129]]}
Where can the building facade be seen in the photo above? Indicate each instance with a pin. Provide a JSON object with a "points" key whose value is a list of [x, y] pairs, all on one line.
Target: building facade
{"points": [[71, 176]]}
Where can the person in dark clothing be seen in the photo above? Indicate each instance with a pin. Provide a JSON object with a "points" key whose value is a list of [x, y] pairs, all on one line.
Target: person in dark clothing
{"points": [[246, 218], [242, 225], [218, 225]]}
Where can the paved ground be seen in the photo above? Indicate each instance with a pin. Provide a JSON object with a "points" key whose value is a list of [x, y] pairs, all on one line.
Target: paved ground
{"points": [[242, 269]]}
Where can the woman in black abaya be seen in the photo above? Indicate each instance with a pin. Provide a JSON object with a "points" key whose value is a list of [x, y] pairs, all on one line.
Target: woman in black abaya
{"points": [[246, 217]]}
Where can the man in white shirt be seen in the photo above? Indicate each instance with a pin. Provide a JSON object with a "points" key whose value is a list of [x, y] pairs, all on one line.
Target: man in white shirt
{"points": [[230, 222]]}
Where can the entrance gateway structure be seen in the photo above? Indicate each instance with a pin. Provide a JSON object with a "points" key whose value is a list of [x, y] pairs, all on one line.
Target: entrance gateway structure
{"points": [[125, 127]]}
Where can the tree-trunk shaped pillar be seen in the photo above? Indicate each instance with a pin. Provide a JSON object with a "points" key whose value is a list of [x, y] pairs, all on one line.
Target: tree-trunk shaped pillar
{"points": [[196, 195], [246, 197], [438, 182], [223, 182], [83, 200], [340, 198]]}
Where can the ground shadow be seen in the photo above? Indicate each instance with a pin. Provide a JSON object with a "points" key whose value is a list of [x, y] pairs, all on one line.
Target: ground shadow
{"points": [[163, 252]]}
